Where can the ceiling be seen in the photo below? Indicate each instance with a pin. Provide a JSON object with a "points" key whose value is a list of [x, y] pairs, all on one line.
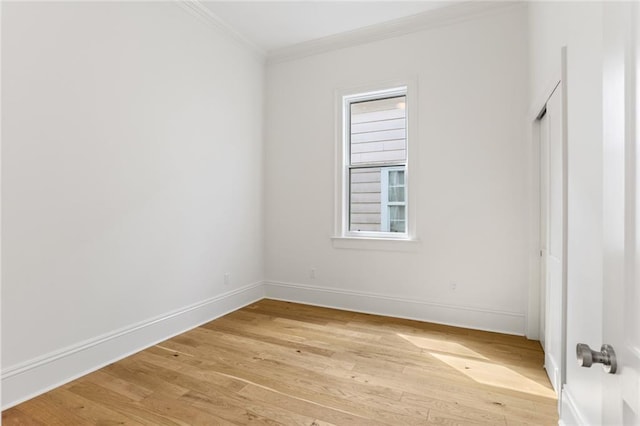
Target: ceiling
{"points": [[273, 25]]}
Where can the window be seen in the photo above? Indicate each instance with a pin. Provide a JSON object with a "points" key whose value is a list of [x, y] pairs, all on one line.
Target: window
{"points": [[375, 162]]}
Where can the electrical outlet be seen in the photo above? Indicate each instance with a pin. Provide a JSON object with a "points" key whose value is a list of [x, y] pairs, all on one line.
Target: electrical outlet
{"points": [[453, 286], [312, 273], [227, 278]]}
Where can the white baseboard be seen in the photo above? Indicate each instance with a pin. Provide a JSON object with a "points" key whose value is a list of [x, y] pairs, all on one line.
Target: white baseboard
{"points": [[34, 377], [553, 371], [570, 414], [460, 316], [31, 378]]}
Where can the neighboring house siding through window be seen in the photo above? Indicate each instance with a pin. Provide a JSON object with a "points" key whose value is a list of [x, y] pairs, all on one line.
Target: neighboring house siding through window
{"points": [[377, 164]]}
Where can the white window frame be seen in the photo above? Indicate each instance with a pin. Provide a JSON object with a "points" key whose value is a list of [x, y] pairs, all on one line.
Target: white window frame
{"points": [[342, 235], [384, 197]]}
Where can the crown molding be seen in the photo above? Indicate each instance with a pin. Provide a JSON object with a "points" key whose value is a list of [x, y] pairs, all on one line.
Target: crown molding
{"points": [[200, 11], [423, 21]]}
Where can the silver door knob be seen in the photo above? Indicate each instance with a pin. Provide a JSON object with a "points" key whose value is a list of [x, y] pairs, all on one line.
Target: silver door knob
{"points": [[587, 357]]}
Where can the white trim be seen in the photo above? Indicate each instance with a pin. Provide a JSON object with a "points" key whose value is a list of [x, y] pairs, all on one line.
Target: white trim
{"points": [[1, 7], [370, 243], [553, 372], [379, 304], [565, 215], [200, 11], [423, 21], [28, 379], [570, 414]]}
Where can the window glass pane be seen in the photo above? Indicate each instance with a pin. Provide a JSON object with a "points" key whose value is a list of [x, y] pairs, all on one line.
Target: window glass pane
{"points": [[397, 219], [378, 131], [396, 177], [396, 186], [396, 194], [365, 202]]}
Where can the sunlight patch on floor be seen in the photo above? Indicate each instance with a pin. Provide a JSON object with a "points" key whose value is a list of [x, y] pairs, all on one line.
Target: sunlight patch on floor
{"points": [[495, 375], [441, 346]]}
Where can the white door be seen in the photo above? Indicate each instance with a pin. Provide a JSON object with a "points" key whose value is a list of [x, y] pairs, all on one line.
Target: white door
{"points": [[552, 224], [621, 190], [544, 225]]}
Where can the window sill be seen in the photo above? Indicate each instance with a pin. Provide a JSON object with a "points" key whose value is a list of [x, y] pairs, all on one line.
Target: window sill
{"points": [[372, 243]]}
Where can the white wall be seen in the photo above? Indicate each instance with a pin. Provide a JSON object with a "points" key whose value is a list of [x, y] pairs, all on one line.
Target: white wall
{"points": [[472, 202], [578, 26], [131, 181]]}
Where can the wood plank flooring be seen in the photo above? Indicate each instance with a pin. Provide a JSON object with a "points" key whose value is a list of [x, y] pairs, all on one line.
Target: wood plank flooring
{"points": [[284, 363]]}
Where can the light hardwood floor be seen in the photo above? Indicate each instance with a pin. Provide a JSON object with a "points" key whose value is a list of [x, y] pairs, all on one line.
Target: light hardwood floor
{"points": [[284, 363]]}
